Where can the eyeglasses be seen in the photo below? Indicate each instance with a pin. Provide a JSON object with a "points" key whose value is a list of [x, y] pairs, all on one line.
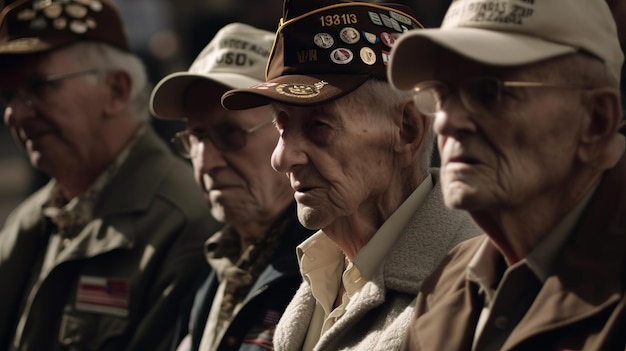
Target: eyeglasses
{"points": [[225, 137], [36, 89], [478, 95]]}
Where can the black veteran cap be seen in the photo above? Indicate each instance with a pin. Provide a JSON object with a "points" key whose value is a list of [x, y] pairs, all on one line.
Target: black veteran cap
{"points": [[31, 26], [324, 50]]}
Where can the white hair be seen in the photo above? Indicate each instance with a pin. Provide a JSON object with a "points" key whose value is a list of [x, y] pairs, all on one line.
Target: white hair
{"points": [[381, 98], [108, 58]]}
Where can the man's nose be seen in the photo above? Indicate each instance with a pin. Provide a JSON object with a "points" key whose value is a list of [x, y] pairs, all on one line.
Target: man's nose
{"points": [[453, 118], [288, 153]]}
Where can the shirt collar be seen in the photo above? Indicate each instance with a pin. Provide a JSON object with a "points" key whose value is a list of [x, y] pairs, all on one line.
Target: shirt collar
{"points": [[482, 268], [371, 256], [321, 264], [542, 259]]}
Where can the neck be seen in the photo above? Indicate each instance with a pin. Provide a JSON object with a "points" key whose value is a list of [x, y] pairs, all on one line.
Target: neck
{"points": [[94, 159], [518, 230], [354, 231], [74, 182], [250, 232]]}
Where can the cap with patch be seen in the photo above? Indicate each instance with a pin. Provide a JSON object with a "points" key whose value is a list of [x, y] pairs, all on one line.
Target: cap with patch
{"points": [[324, 50], [509, 33], [236, 57], [32, 26]]}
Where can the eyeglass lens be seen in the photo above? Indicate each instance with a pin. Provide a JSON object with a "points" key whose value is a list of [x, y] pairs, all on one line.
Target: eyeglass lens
{"points": [[225, 137], [477, 95], [35, 89]]}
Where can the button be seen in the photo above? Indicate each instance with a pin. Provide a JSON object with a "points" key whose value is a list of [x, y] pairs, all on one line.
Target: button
{"points": [[501, 322], [232, 341]]}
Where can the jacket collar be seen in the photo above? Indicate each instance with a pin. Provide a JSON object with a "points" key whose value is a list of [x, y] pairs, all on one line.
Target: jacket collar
{"points": [[591, 272], [127, 198], [431, 233]]}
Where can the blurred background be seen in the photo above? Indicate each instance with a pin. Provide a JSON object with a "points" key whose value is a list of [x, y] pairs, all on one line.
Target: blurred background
{"points": [[168, 34]]}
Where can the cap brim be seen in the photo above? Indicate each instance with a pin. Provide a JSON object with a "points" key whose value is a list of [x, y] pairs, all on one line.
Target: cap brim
{"points": [[33, 45], [166, 100], [415, 52], [300, 90]]}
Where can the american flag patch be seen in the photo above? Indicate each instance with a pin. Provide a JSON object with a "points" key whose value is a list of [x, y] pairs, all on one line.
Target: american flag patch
{"points": [[271, 318], [103, 295]]}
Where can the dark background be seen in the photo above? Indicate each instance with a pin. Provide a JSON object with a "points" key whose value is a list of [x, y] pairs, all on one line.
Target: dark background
{"points": [[168, 34]]}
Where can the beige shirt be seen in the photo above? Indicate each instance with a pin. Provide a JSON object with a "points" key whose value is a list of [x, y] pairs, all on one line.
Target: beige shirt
{"points": [[489, 271], [326, 268]]}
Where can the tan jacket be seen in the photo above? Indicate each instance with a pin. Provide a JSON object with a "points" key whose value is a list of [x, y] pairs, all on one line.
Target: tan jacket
{"points": [[581, 306]]}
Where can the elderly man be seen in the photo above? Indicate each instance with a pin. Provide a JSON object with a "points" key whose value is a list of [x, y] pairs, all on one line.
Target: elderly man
{"points": [[525, 96], [357, 155], [100, 257], [255, 272]]}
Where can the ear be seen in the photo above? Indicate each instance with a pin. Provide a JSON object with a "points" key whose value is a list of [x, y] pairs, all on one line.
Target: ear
{"points": [[414, 130], [600, 143], [119, 85]]}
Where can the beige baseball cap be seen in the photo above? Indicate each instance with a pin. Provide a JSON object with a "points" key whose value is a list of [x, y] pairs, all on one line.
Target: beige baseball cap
{"points": [[509, 33], [235, 58]]}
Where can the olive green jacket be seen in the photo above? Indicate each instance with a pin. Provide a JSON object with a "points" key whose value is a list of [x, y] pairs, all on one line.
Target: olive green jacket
{"points": [[118, 284]]}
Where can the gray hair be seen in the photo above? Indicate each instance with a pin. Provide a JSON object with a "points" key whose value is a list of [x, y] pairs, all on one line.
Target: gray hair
{"points": [[381, 98], [578, 69], [108, 58]]}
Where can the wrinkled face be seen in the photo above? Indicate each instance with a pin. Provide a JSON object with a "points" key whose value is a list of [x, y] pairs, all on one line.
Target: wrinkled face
{"points": [[521, 148], [239, 185], [58, 123], [339, 160]]}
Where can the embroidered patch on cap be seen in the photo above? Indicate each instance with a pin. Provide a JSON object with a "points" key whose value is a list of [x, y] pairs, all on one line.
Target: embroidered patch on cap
{"points": [[61, 13], [349, 35], [371, 38], [301, 90], [341, 43], [58, 23], [323, 40], [368, 55], [387, 39], [341, 56]]}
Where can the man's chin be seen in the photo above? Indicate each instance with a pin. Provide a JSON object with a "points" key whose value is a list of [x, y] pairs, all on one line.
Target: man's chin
{"points": [[459, 196], [311, 218]]}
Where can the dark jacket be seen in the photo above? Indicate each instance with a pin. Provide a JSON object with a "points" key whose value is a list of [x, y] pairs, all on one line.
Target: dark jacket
{"points": [[254, 324], [140, 254]]}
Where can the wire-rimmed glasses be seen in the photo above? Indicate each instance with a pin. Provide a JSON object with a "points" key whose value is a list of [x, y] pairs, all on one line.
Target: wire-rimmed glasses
{"points": [[35, 89], [226, 137], [478, 95]]}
